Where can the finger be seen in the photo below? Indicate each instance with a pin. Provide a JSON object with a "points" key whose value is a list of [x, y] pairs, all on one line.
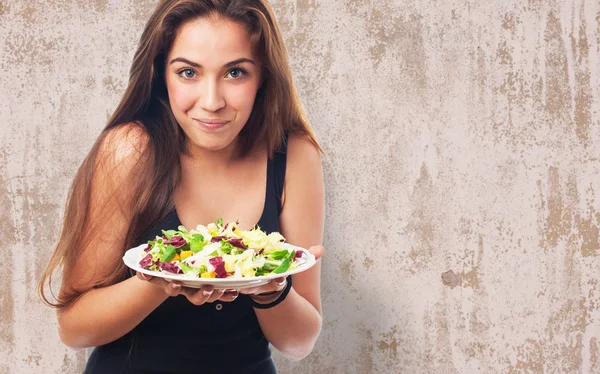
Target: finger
{"points": [[275, 285], [144, 277], [197, 297], [279, 283], [317, 251], [173, 288], [229, 296], [249, 290], [216, 295]]}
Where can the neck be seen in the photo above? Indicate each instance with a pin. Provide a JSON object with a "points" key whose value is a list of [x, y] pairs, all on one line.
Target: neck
{"points": [[202, 159]]}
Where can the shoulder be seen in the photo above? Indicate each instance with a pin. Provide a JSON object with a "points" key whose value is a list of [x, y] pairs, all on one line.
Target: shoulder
{"points": [[123, 144], [303, 165], [302, 152]]}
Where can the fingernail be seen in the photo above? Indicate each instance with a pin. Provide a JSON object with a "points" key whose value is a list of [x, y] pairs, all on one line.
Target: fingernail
{"points": [[175, 286], [207, 293]]}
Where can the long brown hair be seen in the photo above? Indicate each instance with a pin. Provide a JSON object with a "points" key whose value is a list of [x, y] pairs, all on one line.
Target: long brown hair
{"points": [[277, 110]]}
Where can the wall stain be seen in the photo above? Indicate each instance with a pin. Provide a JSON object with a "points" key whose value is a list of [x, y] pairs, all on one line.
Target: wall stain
{"points": [[475, 349], [558, 94], [567, 324], [443, 359], [312, 57], [390, 342], [519, 89], [572, 317], [112, 85], [97, 5], [28, 14], [427, 353], [503, 55], [470, 278], [21, 48], [590, 235], [583, 94], [593, 300], [403, 37], [450, 279], [530, 359], [33, 360], [7, 303], [563, 218], [480, 74], [142, 9], [4, 8], [74, 364], [421, 225], [348, 271], [594, 355], [509, 22], [589, 228], [366, 350], [89, 82], [557, 225]]}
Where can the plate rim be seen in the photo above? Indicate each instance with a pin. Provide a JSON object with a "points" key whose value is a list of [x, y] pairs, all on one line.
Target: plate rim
{"points": [[311, 261]]}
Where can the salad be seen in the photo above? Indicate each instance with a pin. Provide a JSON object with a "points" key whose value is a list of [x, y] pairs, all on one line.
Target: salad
{"points": [[220, 251]]}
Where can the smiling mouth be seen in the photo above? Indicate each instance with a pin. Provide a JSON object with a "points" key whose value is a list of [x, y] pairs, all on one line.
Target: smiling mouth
{"points": [[211, 124]]}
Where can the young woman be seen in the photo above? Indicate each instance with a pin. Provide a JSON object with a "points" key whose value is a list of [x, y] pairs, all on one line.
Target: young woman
{"points": [[210, 126]]}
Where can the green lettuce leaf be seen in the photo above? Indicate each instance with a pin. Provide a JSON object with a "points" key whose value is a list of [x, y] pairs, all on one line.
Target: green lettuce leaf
{"points": [[197, 243], [168, 254]]}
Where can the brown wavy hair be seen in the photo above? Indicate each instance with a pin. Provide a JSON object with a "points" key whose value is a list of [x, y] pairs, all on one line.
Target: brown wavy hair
{"points": [[145, 103]]}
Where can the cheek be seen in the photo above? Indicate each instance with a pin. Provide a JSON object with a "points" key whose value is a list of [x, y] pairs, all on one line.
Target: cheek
{"points": [[180, 97], [243, 98]]}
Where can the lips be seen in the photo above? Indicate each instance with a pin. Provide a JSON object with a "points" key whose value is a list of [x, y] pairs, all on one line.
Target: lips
{"points": [[211, 124]]}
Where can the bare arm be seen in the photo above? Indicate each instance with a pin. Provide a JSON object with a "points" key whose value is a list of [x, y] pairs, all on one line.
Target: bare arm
{"points": [[102, 315], [105, 314], [294, 325]]}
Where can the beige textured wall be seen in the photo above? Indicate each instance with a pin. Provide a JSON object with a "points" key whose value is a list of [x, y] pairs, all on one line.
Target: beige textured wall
{"points": [[461, 135]]}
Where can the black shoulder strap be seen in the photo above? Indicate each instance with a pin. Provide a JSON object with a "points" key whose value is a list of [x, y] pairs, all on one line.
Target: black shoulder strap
{"points": [[279, 166]]}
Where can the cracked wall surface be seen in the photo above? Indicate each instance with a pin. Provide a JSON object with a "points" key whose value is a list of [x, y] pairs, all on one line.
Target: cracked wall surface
{"points": [[462, 174]]}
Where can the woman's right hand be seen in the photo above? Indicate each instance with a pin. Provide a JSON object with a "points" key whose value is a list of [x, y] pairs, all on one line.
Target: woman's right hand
{"points": [[196, 296]]}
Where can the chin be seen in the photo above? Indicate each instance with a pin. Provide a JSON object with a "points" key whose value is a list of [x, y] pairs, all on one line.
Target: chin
{"points": [[212, 142]]}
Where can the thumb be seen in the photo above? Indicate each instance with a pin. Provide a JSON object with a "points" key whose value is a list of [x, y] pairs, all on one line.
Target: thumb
{"points": [[317, 251]]}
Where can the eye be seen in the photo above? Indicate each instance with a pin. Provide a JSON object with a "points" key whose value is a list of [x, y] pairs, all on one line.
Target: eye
{"points": [[187, 73], [236, 73]]}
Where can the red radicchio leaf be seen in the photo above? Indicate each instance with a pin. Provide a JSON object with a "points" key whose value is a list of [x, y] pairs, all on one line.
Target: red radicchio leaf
{"points": [[237, 242], [148, 248], [173, 268], [217, 239], [220, 270], [219, 265], [146, 261], [299, 254], [176, 241]]}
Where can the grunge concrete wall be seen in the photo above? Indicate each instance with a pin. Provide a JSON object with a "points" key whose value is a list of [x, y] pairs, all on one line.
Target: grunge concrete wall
{"points": [[462, 139]]}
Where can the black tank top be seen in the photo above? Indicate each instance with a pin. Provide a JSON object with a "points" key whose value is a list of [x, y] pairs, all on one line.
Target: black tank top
{"points": [[179, 337]]}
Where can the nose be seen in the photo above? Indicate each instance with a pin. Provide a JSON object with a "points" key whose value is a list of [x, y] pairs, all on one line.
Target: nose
{"points": [[211, 98]]}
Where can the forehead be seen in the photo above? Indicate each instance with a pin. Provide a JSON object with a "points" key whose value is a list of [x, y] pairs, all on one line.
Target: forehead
{"points": [[212, 41]]}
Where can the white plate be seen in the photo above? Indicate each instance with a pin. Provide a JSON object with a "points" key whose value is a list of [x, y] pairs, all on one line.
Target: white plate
{"points": [[133, 257]]}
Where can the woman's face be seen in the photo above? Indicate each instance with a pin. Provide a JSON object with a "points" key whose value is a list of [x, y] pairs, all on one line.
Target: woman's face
{"points": [[212, 77]]}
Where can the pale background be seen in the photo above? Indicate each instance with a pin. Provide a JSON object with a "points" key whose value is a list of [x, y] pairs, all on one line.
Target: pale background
{"points": [[461, 135]]}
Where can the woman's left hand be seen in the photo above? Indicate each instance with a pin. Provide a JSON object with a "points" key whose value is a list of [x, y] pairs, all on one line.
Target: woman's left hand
{"points": [[279, 284]]}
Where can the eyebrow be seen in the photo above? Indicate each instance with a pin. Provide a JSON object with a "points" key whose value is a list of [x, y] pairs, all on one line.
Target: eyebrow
{"points": [[227, 65]]}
